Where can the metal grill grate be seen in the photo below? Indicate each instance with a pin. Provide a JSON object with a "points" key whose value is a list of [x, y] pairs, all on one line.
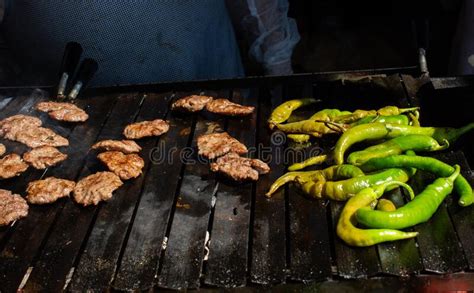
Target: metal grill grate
{"points": [[253, 240]]}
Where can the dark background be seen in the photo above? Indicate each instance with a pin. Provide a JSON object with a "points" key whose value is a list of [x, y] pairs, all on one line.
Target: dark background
{"points": [[348, 35], [342, 36]]}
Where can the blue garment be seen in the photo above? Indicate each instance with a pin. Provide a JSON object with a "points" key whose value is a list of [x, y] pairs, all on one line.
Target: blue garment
{"points": [[134, 41]]}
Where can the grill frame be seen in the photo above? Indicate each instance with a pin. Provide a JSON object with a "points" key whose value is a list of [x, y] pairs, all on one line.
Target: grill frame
{"points": [[290, 238]]}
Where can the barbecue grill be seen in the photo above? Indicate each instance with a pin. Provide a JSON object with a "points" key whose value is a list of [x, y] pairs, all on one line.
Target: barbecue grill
{"points": [[180, 226]]}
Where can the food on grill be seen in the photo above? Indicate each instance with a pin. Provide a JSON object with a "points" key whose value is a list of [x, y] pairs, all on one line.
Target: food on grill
{"points": [[397, 146], [226, 107], [385, 205], [432, 165], [44, 157], [125, 166], [217, 144], [417, 211], [12, 207], [336, 121], [28, 130], [124, 146], [35, 137], [13, 124], [374, 131], [349, 233], [193, 103], [2, 149], [349, 180], [393, 160], [96, 187], [63, 111], [281, 113], [146, 128], [239, 168], [11, 165], [48, 190]]}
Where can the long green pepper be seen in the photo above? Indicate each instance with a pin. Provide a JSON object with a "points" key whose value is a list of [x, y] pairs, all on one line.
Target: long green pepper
{"points": [[346, 226], [281, 113], [428, 164], [417, 211], [375, 131], [343, 189], [396, 146]]}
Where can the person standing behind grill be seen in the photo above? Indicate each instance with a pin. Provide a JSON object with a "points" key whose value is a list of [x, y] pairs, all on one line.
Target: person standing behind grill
{"points": [[144, 41]]}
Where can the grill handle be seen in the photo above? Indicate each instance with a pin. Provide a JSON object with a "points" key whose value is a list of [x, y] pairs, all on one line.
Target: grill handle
{"points": [[72, 55], [84, 75]]}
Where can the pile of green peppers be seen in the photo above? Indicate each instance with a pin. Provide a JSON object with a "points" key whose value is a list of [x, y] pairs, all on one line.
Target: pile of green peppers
{"points": [[361, 178]]}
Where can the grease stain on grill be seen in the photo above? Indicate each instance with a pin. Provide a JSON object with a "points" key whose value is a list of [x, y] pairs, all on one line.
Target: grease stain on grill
{"points": [[185, 131]]}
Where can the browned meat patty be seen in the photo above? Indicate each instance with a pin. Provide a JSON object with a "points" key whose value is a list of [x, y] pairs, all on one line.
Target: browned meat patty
{"points": [[124, 146], [63, 111], [96, 187], [125, 166], [3, 149], [217, 144], [226, 107], [146, 128], [12, 207], [192, 103], [48, 190], [44, 157], [16, 123], [34, 137], [239, 168], [12, 165]]}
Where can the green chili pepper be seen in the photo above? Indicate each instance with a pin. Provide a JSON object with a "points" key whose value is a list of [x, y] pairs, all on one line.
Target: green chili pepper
{"points": [[330, 173], [386, 205], [432, 165], [299, 138], [385, 111], [313, 127], [344, 189], [328, 114], [396, 146], [394, 119], [281, 113], [417, 211], [349, 233], [374, 131], [308, 162]]}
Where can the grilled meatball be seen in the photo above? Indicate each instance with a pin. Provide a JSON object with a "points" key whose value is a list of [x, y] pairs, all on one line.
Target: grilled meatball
{"points": [[49, 190], [226, 107], [239, 168], [3, 149], [125, 166], [12, 207], [217, 144], [63, 111], [146, 128], [124, 146], [193, 103], [12, 165], [96, 187], [44, 157]]}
